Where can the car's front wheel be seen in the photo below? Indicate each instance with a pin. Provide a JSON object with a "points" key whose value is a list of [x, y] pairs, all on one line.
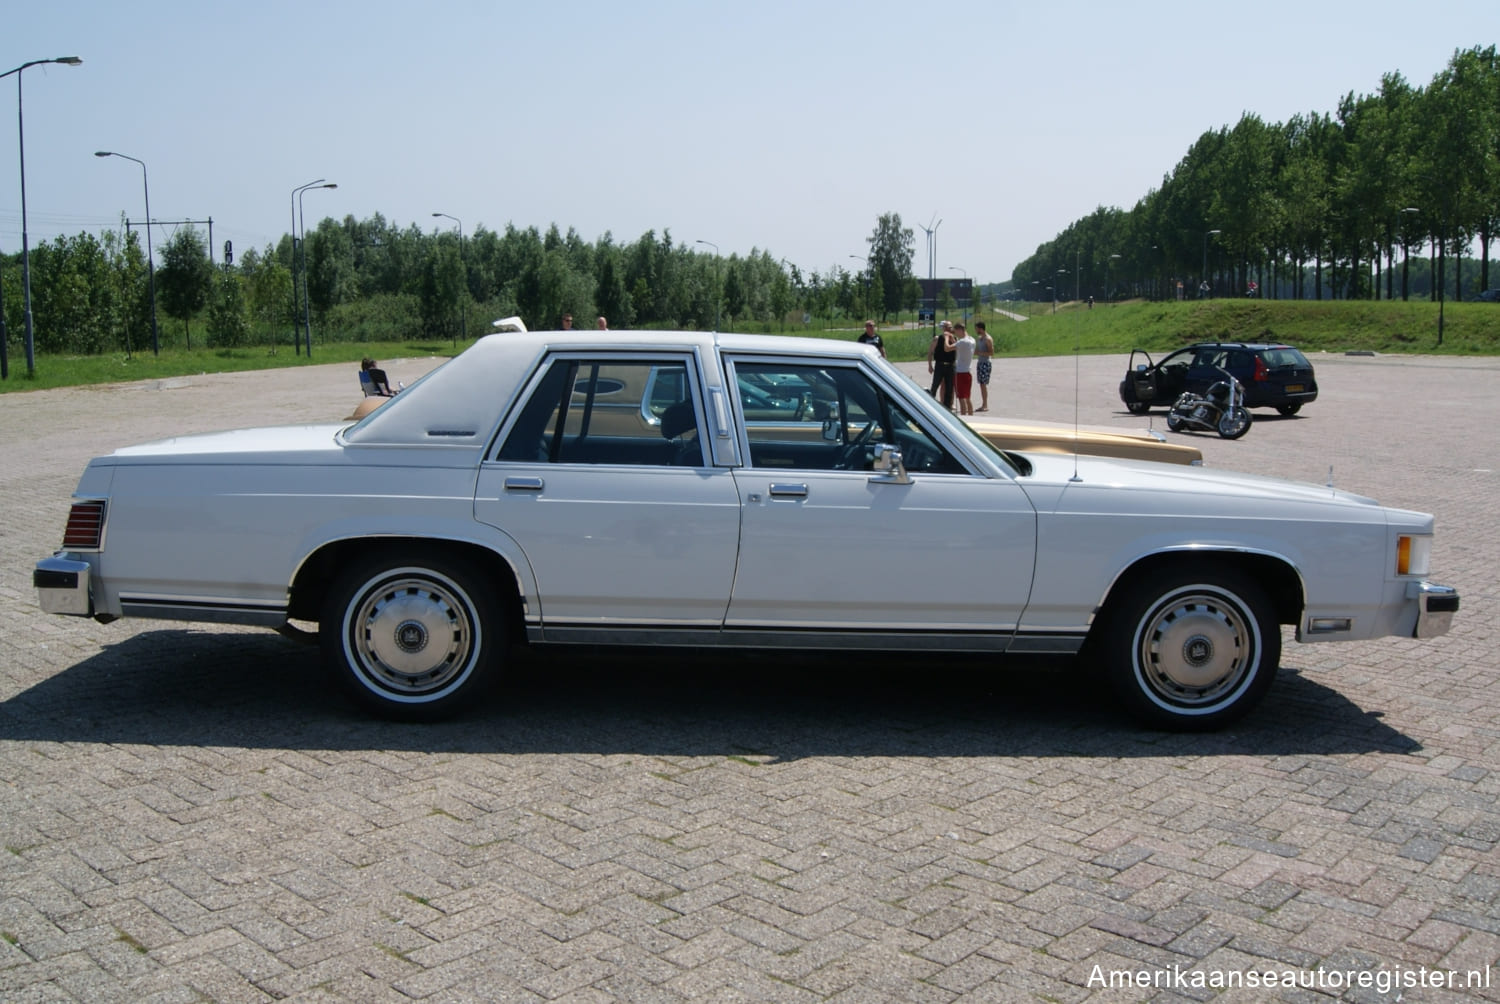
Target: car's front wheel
{"points": [[411, 636], [1234, 423], [1137, 407], [1190, 648], [1289, 409]]}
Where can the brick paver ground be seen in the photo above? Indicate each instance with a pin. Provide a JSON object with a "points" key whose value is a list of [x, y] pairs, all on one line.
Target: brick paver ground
{"points": [[188, 813]]}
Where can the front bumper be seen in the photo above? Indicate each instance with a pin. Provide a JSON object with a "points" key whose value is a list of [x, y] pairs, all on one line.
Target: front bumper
{"points": [[1436, 606], [62, 586]]}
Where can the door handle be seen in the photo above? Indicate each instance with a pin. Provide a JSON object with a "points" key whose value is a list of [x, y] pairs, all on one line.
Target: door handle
{"points": [[788, 491], [523, 484]]}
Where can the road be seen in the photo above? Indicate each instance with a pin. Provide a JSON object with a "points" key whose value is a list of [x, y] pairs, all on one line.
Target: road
{"points": [[190, 813]]}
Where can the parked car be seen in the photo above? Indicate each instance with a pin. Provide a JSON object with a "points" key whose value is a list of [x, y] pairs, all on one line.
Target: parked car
{"points": [[1274, 376], [1489, 296], [1030, 436], [683, 488]]}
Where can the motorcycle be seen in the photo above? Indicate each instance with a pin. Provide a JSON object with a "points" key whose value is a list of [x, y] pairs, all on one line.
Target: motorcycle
{"points": [[1222, 410]]}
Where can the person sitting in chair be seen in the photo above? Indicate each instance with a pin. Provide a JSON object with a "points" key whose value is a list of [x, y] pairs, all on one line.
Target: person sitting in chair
{"points": [[373, 379]]}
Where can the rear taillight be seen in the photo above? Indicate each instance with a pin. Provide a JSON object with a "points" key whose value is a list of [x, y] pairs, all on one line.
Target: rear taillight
{"points": [[85, 530], [1261, 373]]}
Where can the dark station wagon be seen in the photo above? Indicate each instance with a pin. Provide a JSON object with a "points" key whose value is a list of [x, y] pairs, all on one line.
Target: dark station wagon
{"points": [[1274, 376]]}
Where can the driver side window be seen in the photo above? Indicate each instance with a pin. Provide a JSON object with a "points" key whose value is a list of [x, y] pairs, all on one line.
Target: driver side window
{"points": [[829, 418]]}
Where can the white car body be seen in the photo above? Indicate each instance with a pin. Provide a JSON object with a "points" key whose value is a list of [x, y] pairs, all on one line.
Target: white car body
{"points": [[747, 533]]}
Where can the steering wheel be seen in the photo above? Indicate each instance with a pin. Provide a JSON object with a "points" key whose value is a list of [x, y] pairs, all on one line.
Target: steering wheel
{"points": [[856, 446]]}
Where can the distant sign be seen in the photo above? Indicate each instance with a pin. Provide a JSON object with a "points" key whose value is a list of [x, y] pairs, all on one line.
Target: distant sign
{"points": [[229, 252]]}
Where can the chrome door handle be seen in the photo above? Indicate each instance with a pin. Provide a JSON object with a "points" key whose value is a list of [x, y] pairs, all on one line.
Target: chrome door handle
{"points": [[788, 491], [523, 484]]}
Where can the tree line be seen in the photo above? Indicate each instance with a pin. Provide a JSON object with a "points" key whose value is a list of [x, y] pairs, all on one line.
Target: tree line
{"points": [[372, 280], [1318, 205]]}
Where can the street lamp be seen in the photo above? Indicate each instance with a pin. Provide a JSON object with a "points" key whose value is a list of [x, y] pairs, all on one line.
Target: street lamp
{"points": [[1061, 271], [306, 299], [955, 268], [1203, 276], [1109, 290], [150, 258], [297, 331], [717, 296], [463, 303], [25, 247]]}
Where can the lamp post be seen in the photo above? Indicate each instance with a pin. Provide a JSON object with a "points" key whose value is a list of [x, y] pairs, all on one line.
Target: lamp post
{"points": [[1203, 276], [1055, 290], [297, 331], [1109, 290], [306, 299], [150, 257], [25, 246], [965, 273], [717, 296], [463, 304]]}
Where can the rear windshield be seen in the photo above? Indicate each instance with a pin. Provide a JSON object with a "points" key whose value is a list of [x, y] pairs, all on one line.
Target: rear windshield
{"points": [[1276, 358]]}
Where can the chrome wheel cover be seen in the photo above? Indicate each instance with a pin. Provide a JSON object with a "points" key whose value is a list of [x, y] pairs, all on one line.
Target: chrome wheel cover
{"points": [[1196, 650], [412, 635]]}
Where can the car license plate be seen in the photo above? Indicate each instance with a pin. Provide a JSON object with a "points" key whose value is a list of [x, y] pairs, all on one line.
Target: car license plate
{"points": [[1294, 388]]}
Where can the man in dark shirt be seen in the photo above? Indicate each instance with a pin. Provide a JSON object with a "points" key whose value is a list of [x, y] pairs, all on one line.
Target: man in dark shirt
{"points": [[870, 337]]}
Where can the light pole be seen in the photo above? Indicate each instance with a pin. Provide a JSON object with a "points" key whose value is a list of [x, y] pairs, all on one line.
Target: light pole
{"points": [[297, 331], [463, 303], [1109, 290], [1055, 290], [970, 289], [25, 246], [150, 258], [306, 299], [717, 296], [1203, 276]]}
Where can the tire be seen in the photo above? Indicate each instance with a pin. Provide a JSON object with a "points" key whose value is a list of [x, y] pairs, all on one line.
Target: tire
{"points": [[413, 637], [1174, 421], [1234, 423], [1288, 409], [1137, 407], [1190, 649]]}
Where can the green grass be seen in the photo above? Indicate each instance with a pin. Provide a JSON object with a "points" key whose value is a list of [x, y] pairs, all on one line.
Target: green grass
{"points": [[1327, 326], [115, 367]]}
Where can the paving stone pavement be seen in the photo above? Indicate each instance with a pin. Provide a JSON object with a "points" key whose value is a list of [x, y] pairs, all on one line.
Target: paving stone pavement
{"points": [[188, 813]]}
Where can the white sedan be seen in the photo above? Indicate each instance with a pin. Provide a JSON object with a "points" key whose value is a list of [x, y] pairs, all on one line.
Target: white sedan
{"points": [[679, 488]]}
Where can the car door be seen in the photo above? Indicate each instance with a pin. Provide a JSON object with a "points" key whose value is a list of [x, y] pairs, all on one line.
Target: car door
{"points": [[829, 545], [599, 477], [1170, 377]]}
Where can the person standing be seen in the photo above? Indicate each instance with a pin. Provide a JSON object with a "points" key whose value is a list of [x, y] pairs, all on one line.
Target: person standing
{"points": [[567, 322], [963, 365], [940, 364], [872, 337], [601, 323], [984, 351]]}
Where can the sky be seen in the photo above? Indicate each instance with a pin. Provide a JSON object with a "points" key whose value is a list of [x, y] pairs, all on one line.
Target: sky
{"points": [[785, 126]]}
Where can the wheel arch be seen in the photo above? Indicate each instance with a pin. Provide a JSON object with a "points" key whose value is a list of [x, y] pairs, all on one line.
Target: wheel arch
{"points": [[1277, 576], [320, 570]]}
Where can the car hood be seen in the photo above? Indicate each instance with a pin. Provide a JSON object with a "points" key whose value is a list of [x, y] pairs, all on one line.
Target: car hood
{"points": [[1183, 482]]}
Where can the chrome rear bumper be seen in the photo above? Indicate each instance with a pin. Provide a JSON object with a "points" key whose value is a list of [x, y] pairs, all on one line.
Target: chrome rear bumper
{"points": [[62, 586]]}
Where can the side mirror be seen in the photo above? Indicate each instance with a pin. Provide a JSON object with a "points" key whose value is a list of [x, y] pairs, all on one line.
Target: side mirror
{"points": [[890, 467]]}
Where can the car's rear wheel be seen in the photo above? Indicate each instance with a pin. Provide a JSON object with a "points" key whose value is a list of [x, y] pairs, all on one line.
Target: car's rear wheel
{"points": [[1289, 409], [1190, 648], [412, 636], [1137, 407]]}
